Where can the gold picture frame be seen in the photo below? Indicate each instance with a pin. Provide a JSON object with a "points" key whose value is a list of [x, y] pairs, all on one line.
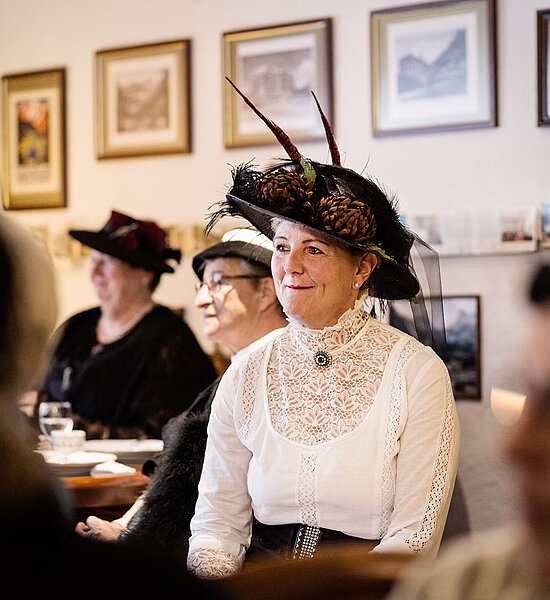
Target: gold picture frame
{"points": [[33, 141], [277, 68], [143, 100]]}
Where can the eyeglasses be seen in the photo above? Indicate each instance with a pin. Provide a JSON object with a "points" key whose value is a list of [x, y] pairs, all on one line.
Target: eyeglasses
{"points": [[214, 284]]}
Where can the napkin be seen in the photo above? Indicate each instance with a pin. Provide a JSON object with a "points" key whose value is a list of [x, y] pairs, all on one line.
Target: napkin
{"points": [[111, 467]]}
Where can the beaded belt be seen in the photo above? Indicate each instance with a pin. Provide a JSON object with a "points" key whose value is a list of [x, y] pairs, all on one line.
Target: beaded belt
{"points": [[306, 542], [294, 541]]}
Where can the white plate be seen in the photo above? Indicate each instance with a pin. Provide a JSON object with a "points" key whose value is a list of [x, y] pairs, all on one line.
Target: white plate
{"points": [[76, 463], [133, 451]]}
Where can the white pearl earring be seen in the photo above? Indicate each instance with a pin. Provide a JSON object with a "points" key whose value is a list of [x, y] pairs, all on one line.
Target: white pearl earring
{"points": [[356, 284]]}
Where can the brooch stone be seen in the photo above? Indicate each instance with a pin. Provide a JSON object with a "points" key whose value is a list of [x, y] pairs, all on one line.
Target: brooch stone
{"points": [[322, 359]]}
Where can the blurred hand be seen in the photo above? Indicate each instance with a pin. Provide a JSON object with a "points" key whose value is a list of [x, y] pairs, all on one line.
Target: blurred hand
{"points": [[98, 529]]}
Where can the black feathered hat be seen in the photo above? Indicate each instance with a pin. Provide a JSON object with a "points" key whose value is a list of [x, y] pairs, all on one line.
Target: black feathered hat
{"points": [[141, 244], [331, 200]]}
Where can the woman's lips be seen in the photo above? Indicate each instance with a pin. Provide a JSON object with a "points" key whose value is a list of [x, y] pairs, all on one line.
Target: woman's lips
{"points": [[298, 287]]}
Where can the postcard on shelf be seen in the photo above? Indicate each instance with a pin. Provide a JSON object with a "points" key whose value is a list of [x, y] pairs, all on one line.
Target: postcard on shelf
{"points": [[459, 233]]}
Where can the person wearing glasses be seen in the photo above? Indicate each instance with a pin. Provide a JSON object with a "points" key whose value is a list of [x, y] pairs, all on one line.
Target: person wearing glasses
{"points": [[236, 295], [128, 365]]}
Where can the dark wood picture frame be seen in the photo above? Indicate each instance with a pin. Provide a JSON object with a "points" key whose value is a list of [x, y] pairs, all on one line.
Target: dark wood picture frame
{"points": [[462, 355], [543, 66]]}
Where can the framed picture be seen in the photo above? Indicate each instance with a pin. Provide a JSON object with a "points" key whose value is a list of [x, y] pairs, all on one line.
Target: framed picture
{"points": [[462, 353], [33, 142], [433, 67], [277, 68], [543, 26], [143, 100]]}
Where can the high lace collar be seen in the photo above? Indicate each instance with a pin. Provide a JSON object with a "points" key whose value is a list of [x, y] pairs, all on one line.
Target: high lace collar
{"points": [[334, 336]]}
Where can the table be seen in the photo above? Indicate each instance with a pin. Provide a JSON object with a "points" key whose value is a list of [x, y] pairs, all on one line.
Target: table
{"points": [[105, 497]]}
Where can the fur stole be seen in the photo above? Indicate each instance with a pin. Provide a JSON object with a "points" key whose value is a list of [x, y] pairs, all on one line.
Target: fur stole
{"points": [[163, 522]]}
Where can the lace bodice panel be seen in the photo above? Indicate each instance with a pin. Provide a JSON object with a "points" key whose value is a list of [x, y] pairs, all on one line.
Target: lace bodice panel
{"points": [[312, 405]]}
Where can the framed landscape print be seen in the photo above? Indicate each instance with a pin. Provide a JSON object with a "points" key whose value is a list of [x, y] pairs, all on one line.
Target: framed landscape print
{"points": [[543, 28], [33, 144], [462, 352], [433, 67], [143, 100], [277, 68]]}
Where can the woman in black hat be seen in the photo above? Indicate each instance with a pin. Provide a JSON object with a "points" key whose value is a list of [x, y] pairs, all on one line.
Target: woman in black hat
{"points": [[341, 427], [128, 365]]}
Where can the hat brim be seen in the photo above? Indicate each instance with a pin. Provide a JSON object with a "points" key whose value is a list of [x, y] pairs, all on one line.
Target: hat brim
{"points": [[232, 249], [102, 243], [390, 281]]}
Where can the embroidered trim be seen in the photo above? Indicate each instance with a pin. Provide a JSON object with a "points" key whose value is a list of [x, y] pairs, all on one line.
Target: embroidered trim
{"points": [[209, 563], [439, 480], [251, 376], [387, 489], [306, 489]]}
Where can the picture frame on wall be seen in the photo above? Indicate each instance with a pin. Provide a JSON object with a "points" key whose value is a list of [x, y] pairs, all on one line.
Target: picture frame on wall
{"points": [[143, 100], [462, 353], [277, 68], [433, 67], [543, 66], [34, 140]]}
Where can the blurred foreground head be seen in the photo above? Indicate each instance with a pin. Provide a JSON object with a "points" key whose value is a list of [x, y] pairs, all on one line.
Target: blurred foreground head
{"points": [[528, 444], [28, 309]]}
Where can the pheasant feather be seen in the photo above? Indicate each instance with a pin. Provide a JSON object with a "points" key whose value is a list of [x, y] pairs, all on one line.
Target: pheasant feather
{"points": [[334, 152], [281, 136]]}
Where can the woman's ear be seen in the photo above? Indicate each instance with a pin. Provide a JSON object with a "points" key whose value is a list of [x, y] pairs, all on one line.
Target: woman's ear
{"points": [[367, 264]]}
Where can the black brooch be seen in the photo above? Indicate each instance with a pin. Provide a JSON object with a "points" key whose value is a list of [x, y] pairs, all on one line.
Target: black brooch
{"points": [[322, 358]]}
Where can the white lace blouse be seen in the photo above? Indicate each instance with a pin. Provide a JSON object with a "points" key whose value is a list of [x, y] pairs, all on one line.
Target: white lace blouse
{"points": [[367, 445]]}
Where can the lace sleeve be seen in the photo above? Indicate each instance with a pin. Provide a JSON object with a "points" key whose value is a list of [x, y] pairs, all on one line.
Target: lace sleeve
{"points": [[209, 563], [421, 454]]}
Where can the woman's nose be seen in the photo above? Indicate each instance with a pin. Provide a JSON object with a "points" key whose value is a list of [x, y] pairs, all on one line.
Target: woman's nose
{"points": [[293, 262]]}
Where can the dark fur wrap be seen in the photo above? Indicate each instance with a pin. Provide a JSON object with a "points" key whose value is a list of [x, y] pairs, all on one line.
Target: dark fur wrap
{"points": [[163, 522]]}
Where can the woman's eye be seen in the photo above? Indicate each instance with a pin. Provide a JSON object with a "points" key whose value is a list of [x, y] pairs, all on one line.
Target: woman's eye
{"points": [[315, 250], [280, 247]]}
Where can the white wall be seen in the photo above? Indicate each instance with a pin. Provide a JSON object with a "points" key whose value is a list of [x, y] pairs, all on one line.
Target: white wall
{"points": [[493, 168]]}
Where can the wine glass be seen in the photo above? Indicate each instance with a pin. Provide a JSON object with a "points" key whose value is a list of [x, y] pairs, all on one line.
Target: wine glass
{"points": [[55, 416]]}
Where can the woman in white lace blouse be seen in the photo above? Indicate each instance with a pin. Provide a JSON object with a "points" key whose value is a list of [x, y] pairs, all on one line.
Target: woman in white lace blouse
{"points": [[339, 426]]}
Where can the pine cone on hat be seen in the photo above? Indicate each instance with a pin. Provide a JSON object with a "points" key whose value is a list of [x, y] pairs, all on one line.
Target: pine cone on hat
{"points": [[346, 218], [286, 191]]}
